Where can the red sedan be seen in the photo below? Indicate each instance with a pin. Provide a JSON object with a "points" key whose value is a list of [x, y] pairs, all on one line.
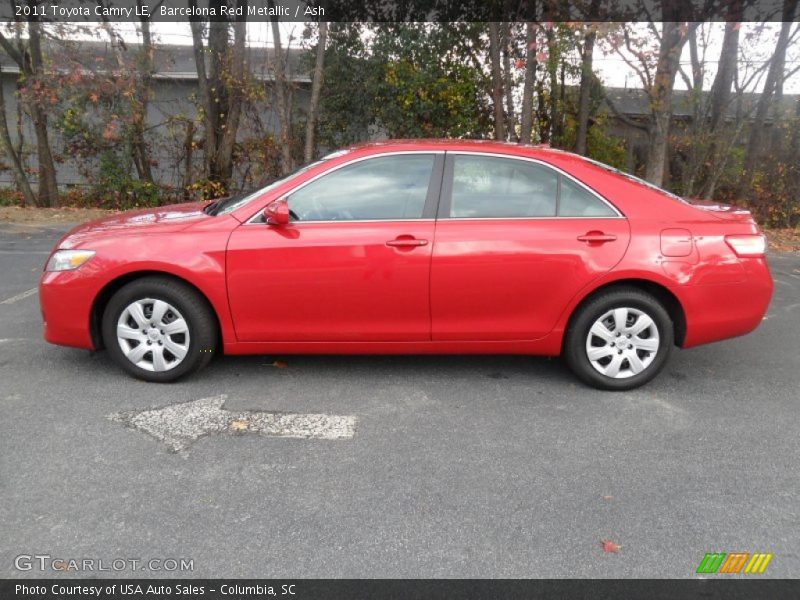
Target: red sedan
{"points": [[416, 247]]}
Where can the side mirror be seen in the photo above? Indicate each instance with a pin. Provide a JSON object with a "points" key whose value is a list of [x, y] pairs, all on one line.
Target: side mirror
{"points": [[277, 213]]}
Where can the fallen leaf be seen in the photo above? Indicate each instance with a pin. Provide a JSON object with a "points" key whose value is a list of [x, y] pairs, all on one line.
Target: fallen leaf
{"points": [[278, 364], [609, 546], [239, 425]]}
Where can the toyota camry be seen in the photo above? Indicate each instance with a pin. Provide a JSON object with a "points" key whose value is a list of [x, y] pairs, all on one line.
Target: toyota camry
{"points": [[416, 247]]}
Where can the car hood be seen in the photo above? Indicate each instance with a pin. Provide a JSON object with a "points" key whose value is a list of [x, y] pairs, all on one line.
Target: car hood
{"points": [[164, 219]]}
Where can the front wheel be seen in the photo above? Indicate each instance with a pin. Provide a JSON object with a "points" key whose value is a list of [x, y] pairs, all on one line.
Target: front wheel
{"points": [[159, 329], [619, 340]]}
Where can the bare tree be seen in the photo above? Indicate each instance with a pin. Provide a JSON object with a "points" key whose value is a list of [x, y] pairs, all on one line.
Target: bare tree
{"points": [[31, 65], [552, 72], [507, 41], [775, 75], [497, 81], [283, 97], [673, 38], [526, 122], [144, 90], [719, 102], [140, 97], [221, 86], [20, 177], [587, 79], [316, 89]]}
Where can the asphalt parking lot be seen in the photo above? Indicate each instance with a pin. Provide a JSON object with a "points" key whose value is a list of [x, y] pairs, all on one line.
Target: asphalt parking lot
{"points": [[454, 466]]}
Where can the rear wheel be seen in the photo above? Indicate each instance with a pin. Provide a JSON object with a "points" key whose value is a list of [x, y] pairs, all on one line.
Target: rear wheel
{"points": [[159, 329], [619, 339]]}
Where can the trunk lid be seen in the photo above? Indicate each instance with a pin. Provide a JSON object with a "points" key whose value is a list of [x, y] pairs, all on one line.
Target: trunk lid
{"points": [[726, 212]]}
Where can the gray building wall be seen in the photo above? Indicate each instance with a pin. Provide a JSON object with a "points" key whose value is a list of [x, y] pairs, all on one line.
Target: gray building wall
{"points": [[169, 110]]}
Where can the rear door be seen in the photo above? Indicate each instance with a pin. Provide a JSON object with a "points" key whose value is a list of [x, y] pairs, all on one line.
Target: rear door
{"points": [[516, 239], [352, 265]]}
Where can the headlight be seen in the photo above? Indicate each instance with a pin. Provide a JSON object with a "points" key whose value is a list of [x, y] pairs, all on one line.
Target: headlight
{"points": [[68, 260]]}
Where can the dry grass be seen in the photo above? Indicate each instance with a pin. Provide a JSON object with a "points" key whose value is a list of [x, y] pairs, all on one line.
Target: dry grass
{"points": [[18, 214], [783, 240]]}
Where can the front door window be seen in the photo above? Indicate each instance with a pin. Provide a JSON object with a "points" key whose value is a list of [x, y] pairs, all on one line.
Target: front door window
{"points": [[385, 188]]}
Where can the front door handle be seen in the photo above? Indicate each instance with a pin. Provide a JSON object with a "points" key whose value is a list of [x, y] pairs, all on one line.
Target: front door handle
{"points": [[597, 237], [407, 242]]}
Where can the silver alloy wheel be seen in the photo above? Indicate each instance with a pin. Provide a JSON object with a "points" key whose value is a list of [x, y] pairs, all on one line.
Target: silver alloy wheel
{"points": [[622, 343], [153, 335]]}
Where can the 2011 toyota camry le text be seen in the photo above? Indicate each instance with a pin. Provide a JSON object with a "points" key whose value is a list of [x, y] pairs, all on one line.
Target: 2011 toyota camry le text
{"points": [[416, 247]]}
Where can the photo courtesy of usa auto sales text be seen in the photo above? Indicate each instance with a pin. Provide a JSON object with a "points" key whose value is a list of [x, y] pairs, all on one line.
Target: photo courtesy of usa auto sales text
{"points": [[62, 590]]}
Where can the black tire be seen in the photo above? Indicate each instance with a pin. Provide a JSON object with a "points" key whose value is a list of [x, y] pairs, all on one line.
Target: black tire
{"points": [[193, 307], [575, 339]]}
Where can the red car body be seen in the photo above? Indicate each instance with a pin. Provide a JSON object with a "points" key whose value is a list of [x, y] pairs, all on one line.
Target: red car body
{"points": [[491, 285]]}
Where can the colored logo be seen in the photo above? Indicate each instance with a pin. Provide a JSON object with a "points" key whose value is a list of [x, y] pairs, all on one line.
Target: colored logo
{"points": [[734, 562]]}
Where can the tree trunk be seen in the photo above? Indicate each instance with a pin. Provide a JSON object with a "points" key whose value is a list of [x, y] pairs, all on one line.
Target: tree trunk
{"points": [[672, 40], [584, 95], [141, 154], [526, 125], [511, 125], [188, 157], [206, 101], [220, 83], [774, 75], [140, 96], [497, 81], [697, 129], [720, 98], [542, 116], [316, 90], [282, 97], [562, 101], [20, 177], [552, 70], [48, 186], [235, 98], [218, 48]]}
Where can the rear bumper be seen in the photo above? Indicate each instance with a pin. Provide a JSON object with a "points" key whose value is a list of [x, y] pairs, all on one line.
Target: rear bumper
{"points": [[718, 311], [65, 300]]}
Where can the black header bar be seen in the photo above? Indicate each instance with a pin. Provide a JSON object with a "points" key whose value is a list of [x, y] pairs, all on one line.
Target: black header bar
{"points": [[399, 10]]}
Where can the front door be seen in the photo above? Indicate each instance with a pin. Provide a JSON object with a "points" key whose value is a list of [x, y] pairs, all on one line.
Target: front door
{"points": [[353, 264], [515, 241]]}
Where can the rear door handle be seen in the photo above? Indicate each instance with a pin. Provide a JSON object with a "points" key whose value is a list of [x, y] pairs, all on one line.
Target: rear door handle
{"points": [[404, 242], [597, 237]]}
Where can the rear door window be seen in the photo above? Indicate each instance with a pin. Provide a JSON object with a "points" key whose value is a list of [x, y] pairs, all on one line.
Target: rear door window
{"points": [[491, 187], [494, 187]]}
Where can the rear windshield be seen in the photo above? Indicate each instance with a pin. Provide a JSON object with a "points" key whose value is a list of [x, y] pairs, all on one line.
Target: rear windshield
{"points": [[635, 179]]}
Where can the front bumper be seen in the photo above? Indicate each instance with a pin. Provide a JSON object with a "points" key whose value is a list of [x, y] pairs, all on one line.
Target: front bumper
{"points": [[65, 299]]}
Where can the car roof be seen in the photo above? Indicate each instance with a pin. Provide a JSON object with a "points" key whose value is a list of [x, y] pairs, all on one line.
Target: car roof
{"points": [[454, 144]]}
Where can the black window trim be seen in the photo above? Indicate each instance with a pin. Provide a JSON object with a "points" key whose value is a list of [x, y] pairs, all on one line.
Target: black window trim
{"points": [[446, 200], [429, 211]]}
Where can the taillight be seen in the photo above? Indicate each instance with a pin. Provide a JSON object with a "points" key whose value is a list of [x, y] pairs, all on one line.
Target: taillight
{"points": [[747, 245]]}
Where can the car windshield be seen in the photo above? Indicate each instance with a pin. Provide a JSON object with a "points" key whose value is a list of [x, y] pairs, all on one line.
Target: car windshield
{"points": [[635, 179], [227, 205]]}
